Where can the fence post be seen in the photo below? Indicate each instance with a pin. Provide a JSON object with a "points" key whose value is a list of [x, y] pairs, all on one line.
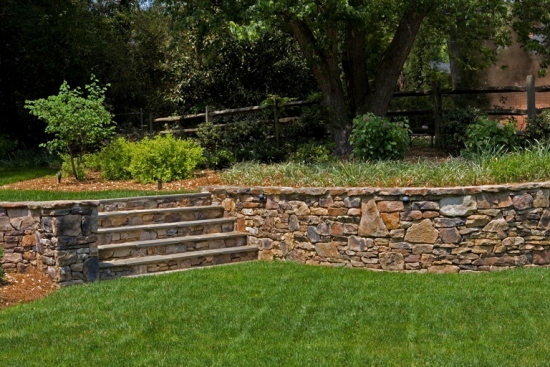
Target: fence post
{"points": [[436, 91], [276, 117], [207, 111], [150, 122], [531, 106]]}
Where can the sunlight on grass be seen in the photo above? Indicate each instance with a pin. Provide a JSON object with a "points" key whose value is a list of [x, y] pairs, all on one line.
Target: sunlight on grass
{"points": [[272, 314], [12, 175]]}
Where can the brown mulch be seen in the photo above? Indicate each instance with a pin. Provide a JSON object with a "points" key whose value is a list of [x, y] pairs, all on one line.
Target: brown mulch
{"points": [[94, 182], [20, 288]]}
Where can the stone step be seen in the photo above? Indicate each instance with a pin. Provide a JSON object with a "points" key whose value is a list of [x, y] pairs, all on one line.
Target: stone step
{"points": [[164, 230], [155, 201], [171, 245], [158, 215], [159, 263]]}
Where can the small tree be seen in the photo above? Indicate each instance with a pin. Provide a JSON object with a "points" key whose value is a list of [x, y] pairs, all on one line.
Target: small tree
{"points": [[76, 122]]}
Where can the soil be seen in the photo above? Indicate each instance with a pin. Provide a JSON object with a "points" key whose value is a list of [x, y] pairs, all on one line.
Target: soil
{"points": [[20, 288]]}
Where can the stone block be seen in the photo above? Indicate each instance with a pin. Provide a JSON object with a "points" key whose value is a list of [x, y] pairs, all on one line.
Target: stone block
{"points": [[494, 200], [327, 250], [450, 235], [522, 202], [371, 224], [459, 206], [391, 220], [5, 224], [411, 215], [390, 206], [448, 222], [68, 225], [425, 205], [423, 232], [541, 199], [392, 261], [443, 269]]}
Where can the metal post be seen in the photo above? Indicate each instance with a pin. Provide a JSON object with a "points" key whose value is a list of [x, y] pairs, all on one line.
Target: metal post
{"points": [[531, 105], [207, 117]]}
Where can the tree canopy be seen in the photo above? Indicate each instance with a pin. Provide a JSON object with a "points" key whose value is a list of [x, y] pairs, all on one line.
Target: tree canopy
{"points": [[174, 56]]}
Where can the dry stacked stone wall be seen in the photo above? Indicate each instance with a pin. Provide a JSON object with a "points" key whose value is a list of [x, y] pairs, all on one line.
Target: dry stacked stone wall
{"points": [[443, 230], [54, 237]]}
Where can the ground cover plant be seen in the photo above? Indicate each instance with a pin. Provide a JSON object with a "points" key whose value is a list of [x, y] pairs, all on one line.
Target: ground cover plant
{"points": [[287, 314], [531, 164]]}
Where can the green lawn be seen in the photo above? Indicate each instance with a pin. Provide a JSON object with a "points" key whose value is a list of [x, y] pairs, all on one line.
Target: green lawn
{"points": [[12, 175], [286, 314], [34, 195]]}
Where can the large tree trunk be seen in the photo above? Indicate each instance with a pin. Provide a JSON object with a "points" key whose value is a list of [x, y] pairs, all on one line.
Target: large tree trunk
{"points": [[392, 63], [354, 64], [324, 63]]}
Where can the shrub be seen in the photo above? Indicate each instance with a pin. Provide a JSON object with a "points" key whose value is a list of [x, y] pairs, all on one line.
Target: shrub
{"points": [[220, 159], [376, 138], [7, 145], [164, 157], [114, 160], [490, 135], [538, 128], [313, 152], [75, 122], [452, 131]]}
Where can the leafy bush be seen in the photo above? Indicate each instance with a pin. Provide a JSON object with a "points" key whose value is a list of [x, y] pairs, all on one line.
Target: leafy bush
{"points": [[453, 129], [220, 159], [164, 157], [313, 152], [7, 145], [538, 128], [252, 139], [114, 160], [490, 135], [76, 122], [25, 157], [376, 138]]}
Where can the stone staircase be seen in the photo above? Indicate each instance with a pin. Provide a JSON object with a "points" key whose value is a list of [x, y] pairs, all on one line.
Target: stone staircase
{"points": [[143, 235]]}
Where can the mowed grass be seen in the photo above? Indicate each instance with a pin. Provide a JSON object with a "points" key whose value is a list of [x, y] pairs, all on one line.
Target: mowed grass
{"points": [[10, 175], [36, 195], [287, 314]]}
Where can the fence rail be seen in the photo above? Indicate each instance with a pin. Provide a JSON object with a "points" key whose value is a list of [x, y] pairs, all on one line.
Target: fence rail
{"points": [[436, 93]]}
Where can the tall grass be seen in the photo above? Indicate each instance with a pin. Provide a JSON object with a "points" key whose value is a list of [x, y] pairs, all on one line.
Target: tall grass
{"points": [[285, 314], [532, 164]]}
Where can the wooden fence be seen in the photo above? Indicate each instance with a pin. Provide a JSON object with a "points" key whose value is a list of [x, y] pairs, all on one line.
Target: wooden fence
{"points": [[437, 94]]}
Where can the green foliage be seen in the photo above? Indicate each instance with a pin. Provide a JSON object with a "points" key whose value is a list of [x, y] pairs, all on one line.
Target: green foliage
{"points": [[313, 152], [77, 123], [376, 138], [538, 128], [453, 129], [220, 159], [7, 145], [490, 136], [114, 160], [164, 157]]}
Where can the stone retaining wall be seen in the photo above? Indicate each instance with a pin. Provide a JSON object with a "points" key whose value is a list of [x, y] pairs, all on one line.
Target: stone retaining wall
{"points": [[54, 237], [444, 230]]}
